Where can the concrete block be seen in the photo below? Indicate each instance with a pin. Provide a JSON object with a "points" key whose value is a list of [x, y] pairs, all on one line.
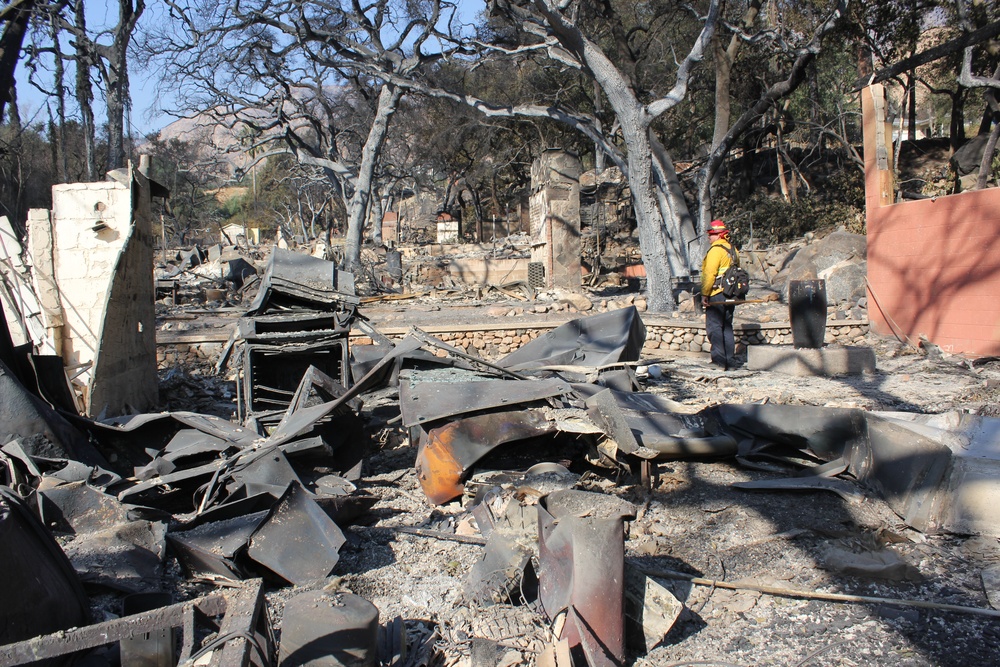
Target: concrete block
{"points": [[806, 361]]}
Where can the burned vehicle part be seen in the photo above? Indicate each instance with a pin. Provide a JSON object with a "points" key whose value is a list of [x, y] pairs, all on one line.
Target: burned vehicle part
{"points": [[449, 451], [504, 575], [581, 548]]}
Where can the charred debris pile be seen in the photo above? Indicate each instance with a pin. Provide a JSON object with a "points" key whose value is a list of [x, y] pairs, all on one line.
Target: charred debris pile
{"points": [[97, 506]]}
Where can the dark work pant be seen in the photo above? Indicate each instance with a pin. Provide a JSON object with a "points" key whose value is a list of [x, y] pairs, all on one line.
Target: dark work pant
{"points": [[719, 327]]}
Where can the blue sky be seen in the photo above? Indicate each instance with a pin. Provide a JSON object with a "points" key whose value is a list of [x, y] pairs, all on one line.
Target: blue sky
{"points": [[147, 97], [145, 117]]}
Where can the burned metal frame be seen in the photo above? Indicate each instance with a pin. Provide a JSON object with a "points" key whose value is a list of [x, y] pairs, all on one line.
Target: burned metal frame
{"points": [[301, 318], [245, 626], [272, 373]]}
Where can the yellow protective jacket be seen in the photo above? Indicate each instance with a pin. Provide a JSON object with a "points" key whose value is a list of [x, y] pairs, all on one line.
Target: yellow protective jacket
{"points": [[716, 262]]}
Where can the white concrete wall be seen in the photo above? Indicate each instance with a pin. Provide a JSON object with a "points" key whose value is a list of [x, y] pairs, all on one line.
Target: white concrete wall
{"points": [[85, 258], [41, 249]]}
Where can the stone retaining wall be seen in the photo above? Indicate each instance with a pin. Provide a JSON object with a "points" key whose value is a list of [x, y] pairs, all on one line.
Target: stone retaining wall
{"points": [[494, 343], [686, 337], [692, 338]]}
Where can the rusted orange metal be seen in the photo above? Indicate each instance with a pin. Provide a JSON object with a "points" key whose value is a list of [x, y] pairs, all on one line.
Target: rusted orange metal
{"points": [[581, 553], [451, 450], [438, 470]]}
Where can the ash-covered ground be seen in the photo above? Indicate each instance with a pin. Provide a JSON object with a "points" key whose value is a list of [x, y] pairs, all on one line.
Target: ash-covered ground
{"points": [[693, 521]]}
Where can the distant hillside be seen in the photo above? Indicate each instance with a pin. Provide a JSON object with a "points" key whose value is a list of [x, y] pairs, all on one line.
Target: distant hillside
{"points": [[216, 143], [222, 144]]}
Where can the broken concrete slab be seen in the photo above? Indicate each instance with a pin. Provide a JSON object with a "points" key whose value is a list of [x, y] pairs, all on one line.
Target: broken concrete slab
{"points": [[882, 564], [804, 361], [991, 585]]}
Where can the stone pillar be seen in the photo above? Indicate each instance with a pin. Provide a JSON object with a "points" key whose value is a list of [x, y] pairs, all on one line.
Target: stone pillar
{"points": [[555, 217]]}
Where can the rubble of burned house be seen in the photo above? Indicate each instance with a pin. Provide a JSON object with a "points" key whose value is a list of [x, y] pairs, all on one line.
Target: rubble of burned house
{"points": [[181, 537], [270, 501]]}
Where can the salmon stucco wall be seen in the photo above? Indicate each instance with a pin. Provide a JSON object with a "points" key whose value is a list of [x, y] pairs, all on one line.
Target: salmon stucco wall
{"points": [[933, 264]]}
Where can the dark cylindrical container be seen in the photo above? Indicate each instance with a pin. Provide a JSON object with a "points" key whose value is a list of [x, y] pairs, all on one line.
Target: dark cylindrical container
{"points": [[807, 312], [321, 629], [394, 265]]}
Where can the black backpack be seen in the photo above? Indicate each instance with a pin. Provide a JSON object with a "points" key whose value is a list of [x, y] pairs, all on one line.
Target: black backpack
{"points": [[735, 282]]}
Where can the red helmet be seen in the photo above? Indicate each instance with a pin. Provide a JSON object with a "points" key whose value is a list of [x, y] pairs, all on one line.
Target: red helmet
{"points": [[717, 227]]}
